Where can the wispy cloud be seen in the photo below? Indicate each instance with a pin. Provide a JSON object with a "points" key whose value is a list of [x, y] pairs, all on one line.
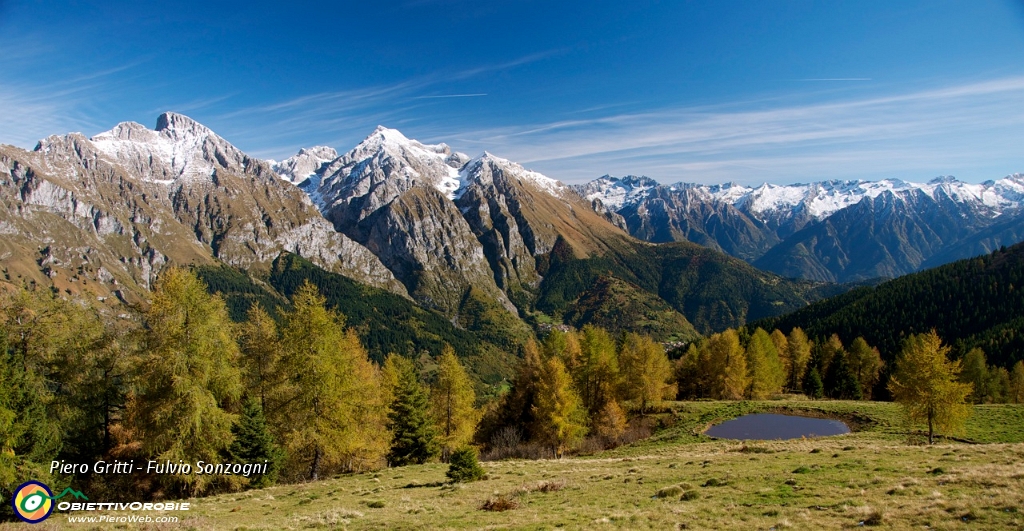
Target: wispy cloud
{"points": [[276, 130], [448, 96], [32, 112], [925, 130]]}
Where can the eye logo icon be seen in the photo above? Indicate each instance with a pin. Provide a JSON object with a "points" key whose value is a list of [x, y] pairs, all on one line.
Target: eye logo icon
{"points": [[33, 502]]}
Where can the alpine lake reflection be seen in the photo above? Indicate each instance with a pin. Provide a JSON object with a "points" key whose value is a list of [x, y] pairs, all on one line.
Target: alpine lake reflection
{"points": [[770, 427]]}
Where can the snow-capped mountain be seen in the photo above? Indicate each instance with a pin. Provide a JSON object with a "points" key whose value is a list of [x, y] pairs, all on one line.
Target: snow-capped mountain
{"points": [[178, 148], [818, 200], [808, 230], [473, 224], [106, 215], [470, 236], [305, 164]]}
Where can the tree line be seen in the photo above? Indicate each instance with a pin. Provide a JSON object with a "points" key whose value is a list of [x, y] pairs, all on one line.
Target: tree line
{"points": [[739, 364], [180, 382], [577, 386], [972, 303]]}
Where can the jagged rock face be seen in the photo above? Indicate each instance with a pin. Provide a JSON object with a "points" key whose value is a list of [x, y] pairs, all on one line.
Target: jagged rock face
{"points": [[380, 169], [686, 215], [518, 214], [486, 215], [394, 195], [832, 230], [544, 208], [424, 240], [179, 148], [112, 213], [305, 165]]}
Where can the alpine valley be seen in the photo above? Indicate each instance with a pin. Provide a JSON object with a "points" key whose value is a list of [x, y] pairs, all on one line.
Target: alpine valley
{"points": [[420, 245]]}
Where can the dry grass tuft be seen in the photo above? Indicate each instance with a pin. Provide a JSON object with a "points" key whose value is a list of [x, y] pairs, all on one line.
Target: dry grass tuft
{"points": [[670, 492], [875, 519], [500, 503]]}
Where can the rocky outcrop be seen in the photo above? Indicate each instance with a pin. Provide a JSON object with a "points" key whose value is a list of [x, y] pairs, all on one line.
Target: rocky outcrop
{"points": [[394, 195], [113, 211]]}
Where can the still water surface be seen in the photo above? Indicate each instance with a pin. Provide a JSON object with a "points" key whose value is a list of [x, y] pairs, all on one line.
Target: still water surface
{"points": [[765, 426]]}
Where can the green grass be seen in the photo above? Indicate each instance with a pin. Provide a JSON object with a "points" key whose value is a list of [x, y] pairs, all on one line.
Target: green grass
{"points": [[871, 477]]}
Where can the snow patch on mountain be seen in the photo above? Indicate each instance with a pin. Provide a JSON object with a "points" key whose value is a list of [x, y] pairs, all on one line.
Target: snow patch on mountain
{"points": [[615, 192], [438, 159], [819, 200], [179, 148], [305, 164], [471, 173]]}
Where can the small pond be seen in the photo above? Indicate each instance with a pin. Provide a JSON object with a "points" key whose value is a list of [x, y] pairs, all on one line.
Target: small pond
{"points": [[764, 426]]}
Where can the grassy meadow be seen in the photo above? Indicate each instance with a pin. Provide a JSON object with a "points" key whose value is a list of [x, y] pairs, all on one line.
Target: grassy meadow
{"points": [[878, 476]]}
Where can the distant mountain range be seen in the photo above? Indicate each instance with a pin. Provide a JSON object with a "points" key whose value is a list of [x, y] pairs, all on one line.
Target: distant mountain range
{"points": [[481, 241], [835, 231]]}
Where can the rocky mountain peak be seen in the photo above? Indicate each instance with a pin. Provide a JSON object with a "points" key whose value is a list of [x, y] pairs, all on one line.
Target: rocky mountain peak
{"points": [[179, 148], [379, 169], [306, 164], [482, 168], [179, 125], [383, 138]]}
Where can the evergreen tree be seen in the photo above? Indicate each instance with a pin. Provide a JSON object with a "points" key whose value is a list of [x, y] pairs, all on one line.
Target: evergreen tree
{"points": [[645, 372], [840, 381], [798, 349], [51, 350], [812, 386], [452, 399], [414, 439], [332, 411], [924, 383], [516, 407], [764, 366], [255, 444], [1016, 384], [690, 369], [823, 352], [464, 466], [189, 377], [865, 363], [560, 418]]}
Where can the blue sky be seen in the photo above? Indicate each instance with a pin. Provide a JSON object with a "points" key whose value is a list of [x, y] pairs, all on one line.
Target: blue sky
{"points": [[746, 91]]}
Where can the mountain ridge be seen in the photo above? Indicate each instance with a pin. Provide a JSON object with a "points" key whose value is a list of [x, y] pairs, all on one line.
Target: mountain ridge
{"points": [[791, 229]]}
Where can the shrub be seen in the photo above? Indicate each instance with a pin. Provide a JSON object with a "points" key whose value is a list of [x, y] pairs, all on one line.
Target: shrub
{"points": [[463, 465], [500, 503]]}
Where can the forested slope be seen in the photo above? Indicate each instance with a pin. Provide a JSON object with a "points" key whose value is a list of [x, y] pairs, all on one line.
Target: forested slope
{"points": [[977, 302]]}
